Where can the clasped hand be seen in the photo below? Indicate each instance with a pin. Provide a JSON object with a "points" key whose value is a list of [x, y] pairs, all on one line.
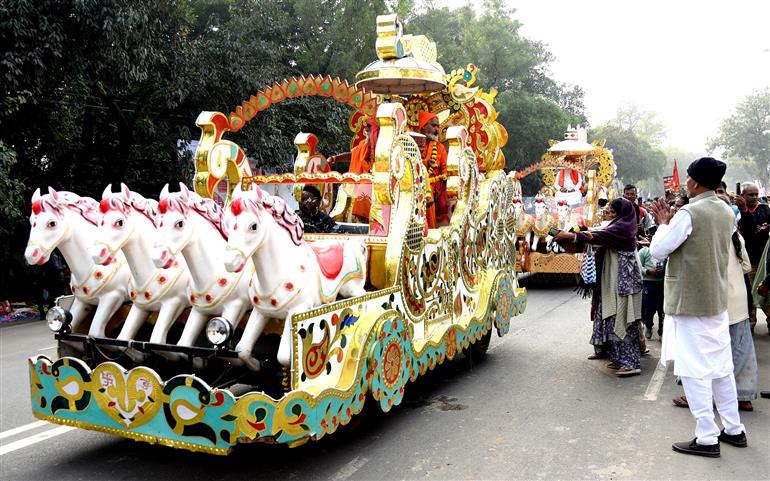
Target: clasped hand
{"points": [[661, 211]]}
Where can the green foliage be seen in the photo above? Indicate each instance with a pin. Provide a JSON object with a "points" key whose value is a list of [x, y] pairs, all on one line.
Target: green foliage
{"points": [[642, 123], [745, 135], [635, 158], [530, 121], [11, 190]]}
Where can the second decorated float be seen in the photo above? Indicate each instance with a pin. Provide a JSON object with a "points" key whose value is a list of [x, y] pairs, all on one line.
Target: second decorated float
{"points": [[577, 179]]}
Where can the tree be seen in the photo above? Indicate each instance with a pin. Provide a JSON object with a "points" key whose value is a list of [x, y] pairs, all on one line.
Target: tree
{"points": [[531, 121], [642, 123], [745, 135], [635, 158]]}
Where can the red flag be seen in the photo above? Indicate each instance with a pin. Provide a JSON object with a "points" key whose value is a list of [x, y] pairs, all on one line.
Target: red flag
{"points": [[675, 178]]}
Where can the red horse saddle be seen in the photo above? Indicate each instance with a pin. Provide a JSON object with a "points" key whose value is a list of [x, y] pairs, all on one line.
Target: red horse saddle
{"points": [[330, 258]]}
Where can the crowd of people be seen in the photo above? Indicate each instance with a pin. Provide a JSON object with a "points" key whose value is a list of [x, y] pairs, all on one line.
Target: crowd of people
{"points": [[648, 257]]}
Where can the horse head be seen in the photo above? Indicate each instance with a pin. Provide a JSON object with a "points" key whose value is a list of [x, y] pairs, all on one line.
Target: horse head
{"points": [[179, 214], [540, 206], [121, 213], [518, 207], [50, 223], [563, 209], [253, 216]]}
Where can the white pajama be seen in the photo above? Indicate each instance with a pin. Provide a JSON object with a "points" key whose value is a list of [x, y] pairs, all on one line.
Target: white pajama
{"points": [[699, 397]]}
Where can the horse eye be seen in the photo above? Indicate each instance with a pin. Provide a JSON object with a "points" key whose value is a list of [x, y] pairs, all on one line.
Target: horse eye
{"points": [[179, 224], [119, 223], [253, 226], [51, 224]]}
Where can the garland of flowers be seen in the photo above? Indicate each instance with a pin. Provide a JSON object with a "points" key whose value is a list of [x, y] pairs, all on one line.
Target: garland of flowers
{"points": [[434, 178]]}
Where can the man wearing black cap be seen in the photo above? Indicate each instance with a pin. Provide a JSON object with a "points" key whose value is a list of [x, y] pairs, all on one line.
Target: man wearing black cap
{"points": [[696, 335]]}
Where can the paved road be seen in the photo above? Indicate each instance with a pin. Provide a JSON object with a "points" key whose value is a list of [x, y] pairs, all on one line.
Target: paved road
{"points": [[536, 408]]}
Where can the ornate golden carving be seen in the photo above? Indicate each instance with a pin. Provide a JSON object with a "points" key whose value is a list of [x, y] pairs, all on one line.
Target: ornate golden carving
{"points": [[217, 159]]}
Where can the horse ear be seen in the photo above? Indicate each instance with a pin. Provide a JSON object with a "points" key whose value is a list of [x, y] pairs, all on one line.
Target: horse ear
{"points": [[36, 195], [237, 191], [164, 192], [54, 195], [184, 190], [126, 192], [107, 191]]}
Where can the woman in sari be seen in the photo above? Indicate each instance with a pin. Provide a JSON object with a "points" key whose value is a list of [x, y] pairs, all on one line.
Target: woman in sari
{"points": [[616, 304]]}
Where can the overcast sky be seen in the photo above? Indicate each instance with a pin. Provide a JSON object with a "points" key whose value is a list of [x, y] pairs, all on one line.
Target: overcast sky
{"points": [[689, 61]]}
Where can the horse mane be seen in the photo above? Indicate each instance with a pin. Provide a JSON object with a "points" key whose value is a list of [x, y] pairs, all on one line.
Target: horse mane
{"points": [[206, 208], [283, 214], [86, 207], [146, 207]]}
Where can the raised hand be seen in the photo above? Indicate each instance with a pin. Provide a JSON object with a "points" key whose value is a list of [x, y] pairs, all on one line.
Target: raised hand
{"points": [[661, 211], [741, 203]]}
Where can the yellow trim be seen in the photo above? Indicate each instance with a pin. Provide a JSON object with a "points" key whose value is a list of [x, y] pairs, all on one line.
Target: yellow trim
{"points": [[307, 178], [147, 438], [400, 73]]}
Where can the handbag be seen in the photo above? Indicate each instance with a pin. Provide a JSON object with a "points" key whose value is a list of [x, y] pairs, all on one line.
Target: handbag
{"points": [[588, 266]]}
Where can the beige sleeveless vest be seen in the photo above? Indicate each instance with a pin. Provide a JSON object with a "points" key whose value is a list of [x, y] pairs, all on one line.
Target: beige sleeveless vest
{"points": [[696, 273]]}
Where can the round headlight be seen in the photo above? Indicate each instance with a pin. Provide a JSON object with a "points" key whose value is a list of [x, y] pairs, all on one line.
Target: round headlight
{"points": [[57, 318], [218, 330]]}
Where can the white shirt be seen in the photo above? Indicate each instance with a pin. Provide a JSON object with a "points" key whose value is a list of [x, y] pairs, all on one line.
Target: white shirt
{"points": [[670, 236]]}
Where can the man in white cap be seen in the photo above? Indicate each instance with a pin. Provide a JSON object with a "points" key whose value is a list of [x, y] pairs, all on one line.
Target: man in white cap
{"points": [[696, 334]]}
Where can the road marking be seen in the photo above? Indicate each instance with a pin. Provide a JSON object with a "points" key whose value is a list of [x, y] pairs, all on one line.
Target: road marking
{"points": [[23, 443], [27, 351], [21, 429], [349, 469], [656, 382]]}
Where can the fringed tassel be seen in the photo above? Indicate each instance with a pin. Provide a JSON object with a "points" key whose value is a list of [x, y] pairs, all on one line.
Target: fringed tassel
{"points": [[584, 290]]}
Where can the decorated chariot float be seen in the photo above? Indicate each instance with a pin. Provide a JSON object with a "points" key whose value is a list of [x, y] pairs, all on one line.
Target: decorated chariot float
{"points": [[199, 326], [576, 176]]}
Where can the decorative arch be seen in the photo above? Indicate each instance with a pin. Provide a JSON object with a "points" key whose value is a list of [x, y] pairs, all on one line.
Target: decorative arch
{"points": [[340, 90], [218, 159]]}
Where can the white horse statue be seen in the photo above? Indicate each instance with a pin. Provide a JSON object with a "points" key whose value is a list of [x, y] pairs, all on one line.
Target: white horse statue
{"points": [[543, 221], [291, 275], [128, 224], [564, 220], [194, 226], [68, 221], [563, 215], [522, 221]]}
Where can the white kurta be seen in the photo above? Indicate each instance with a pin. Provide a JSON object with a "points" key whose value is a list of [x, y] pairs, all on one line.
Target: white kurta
{"points": [[698, 345]]}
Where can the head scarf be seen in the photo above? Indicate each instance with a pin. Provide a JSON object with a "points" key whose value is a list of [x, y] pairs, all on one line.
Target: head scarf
{"points": [[620, 234], [423, 118]]}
